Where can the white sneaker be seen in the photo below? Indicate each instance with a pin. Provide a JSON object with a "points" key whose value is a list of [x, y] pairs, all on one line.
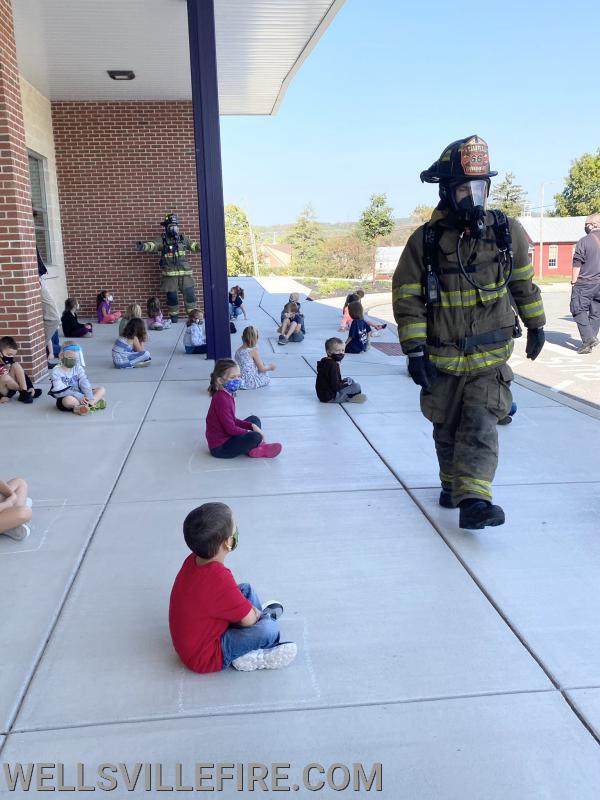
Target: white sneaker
{"points": [[273, 658], [273, 609], [19, 533], [358, 398]]}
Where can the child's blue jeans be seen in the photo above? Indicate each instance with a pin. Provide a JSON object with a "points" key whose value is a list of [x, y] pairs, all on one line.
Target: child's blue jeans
{"points": [[237, 641]]}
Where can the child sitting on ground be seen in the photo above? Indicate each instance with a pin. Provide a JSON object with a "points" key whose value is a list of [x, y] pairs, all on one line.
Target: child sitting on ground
{"points": [[376, 326], [330, 386], [106, 316], [236, 302], [214, 622], [253, 372], [69, 385], [156, 321], [346, 320], [128, 350], [14, 379], [70, 324], [15, 509], [133, 311], [291, 325], [360, 331], [226, 435], [295, 298], [194, 339]]}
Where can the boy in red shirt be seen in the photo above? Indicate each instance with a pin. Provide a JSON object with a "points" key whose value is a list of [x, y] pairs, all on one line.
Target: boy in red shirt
{"points": [[214, 622]]}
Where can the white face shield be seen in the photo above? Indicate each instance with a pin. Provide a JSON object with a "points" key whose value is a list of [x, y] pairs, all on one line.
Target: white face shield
{"points": [[471, 195]]}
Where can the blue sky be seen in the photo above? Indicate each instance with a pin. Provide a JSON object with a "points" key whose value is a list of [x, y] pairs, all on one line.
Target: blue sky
{"points": [[391, 83]]}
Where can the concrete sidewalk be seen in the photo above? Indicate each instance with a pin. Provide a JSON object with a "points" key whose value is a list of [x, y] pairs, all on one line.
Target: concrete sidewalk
{"points": [[466, 663]]}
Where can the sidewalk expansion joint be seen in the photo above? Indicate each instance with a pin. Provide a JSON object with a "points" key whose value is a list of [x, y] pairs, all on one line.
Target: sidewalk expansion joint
{"points": [[210, 712]]}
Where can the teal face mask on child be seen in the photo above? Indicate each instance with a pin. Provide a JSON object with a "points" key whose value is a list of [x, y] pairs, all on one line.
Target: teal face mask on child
{"points": [[235, 535], [69, 363]]}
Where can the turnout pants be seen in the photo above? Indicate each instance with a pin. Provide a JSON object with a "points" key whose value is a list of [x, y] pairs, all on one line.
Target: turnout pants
{"points": [[465, 410], [172, 285], [585, 308]]}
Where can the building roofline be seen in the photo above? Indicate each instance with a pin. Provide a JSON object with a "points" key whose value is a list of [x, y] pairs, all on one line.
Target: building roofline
{"points": [[306, 51]]}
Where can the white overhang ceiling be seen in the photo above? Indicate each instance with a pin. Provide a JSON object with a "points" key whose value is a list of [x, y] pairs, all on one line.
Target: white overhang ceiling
{"points": [[65, 48]]}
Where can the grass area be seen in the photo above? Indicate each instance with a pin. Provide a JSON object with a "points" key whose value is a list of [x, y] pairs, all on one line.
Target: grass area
{"points": [[334, 287], [555, 279]]}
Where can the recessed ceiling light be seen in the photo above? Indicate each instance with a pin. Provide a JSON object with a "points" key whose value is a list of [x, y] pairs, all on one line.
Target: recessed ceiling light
{"points": [[121, 74]]}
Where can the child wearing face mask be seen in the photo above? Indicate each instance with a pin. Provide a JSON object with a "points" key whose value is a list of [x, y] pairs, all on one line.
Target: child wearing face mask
{"points": [[13, 377], [226, 435], [214, 622], [106, 316], [70, 324], [330, 386], [69, 385], [194, 340]]}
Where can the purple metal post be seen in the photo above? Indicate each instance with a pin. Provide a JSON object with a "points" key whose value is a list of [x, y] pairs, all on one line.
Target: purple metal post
{"points": [[209, 177]]}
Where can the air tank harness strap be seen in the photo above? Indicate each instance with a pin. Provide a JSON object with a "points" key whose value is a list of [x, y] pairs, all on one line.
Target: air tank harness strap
{"points": [[468, 343]]}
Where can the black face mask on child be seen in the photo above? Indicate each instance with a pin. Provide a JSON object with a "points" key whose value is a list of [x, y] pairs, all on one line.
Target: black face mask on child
{"points": [[337, 356]]}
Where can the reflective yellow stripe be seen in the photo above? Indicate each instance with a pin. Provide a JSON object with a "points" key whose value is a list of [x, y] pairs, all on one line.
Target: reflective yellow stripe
{"points": [[469, 297], [522, 273], [467, 484], [149, 247], [407, 290], [531, 310], [471, 362], [175, 273], [415, 330]]}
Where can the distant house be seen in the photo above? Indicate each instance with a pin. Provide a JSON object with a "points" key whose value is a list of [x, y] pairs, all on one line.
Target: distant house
{"points": [[386, 260], [559, 236], [276, 256]]}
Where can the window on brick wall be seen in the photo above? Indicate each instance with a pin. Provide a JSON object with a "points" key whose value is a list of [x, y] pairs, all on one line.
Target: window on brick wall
{"points": [[40, 209], [553, 256]]}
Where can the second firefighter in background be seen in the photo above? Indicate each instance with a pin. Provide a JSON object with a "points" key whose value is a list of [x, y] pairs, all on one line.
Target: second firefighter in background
{"points": [[456, 288]]}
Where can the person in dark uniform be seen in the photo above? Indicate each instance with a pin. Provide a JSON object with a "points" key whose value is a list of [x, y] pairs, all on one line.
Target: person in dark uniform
{"points": [[585, 295]]}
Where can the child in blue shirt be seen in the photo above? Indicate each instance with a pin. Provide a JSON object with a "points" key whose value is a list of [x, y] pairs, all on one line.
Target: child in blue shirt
{"points": [[360, 331]]}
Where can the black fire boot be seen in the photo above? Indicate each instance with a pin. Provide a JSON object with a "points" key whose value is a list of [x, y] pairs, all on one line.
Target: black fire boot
{"points": [[446, 499], [477, 514]]}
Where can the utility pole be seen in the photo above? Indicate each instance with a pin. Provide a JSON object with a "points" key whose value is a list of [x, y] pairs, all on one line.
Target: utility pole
{"points": [[541, 275], [253, 246], [541, 270]]}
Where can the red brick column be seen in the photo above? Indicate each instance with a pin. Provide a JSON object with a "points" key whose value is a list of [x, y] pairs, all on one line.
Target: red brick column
{"points": [[20, 305]]}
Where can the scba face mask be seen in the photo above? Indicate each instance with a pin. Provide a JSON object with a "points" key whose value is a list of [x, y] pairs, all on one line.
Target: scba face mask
{"points": [[469, 201]]}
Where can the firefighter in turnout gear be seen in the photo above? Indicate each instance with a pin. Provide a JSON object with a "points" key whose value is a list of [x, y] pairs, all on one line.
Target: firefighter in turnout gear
{"points": [[176, 272], [458, 287]]}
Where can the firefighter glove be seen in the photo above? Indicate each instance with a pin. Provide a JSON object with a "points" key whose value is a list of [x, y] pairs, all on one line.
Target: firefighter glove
{"points": [[535, 342], [420, 371]]}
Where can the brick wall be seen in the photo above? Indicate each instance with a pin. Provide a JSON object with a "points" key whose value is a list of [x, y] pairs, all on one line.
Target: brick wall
{"points": [[121, 167], [20, 306]]}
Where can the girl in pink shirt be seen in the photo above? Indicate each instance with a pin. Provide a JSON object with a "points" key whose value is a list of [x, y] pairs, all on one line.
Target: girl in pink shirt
{"points": [[226, 435], [106, 316]]}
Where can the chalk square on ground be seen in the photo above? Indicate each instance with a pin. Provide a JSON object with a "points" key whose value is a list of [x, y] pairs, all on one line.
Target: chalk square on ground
{"points": [[389, 564]]}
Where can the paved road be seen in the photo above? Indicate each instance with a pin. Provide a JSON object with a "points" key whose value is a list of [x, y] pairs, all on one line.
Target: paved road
{"points": [[559, 366]]}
